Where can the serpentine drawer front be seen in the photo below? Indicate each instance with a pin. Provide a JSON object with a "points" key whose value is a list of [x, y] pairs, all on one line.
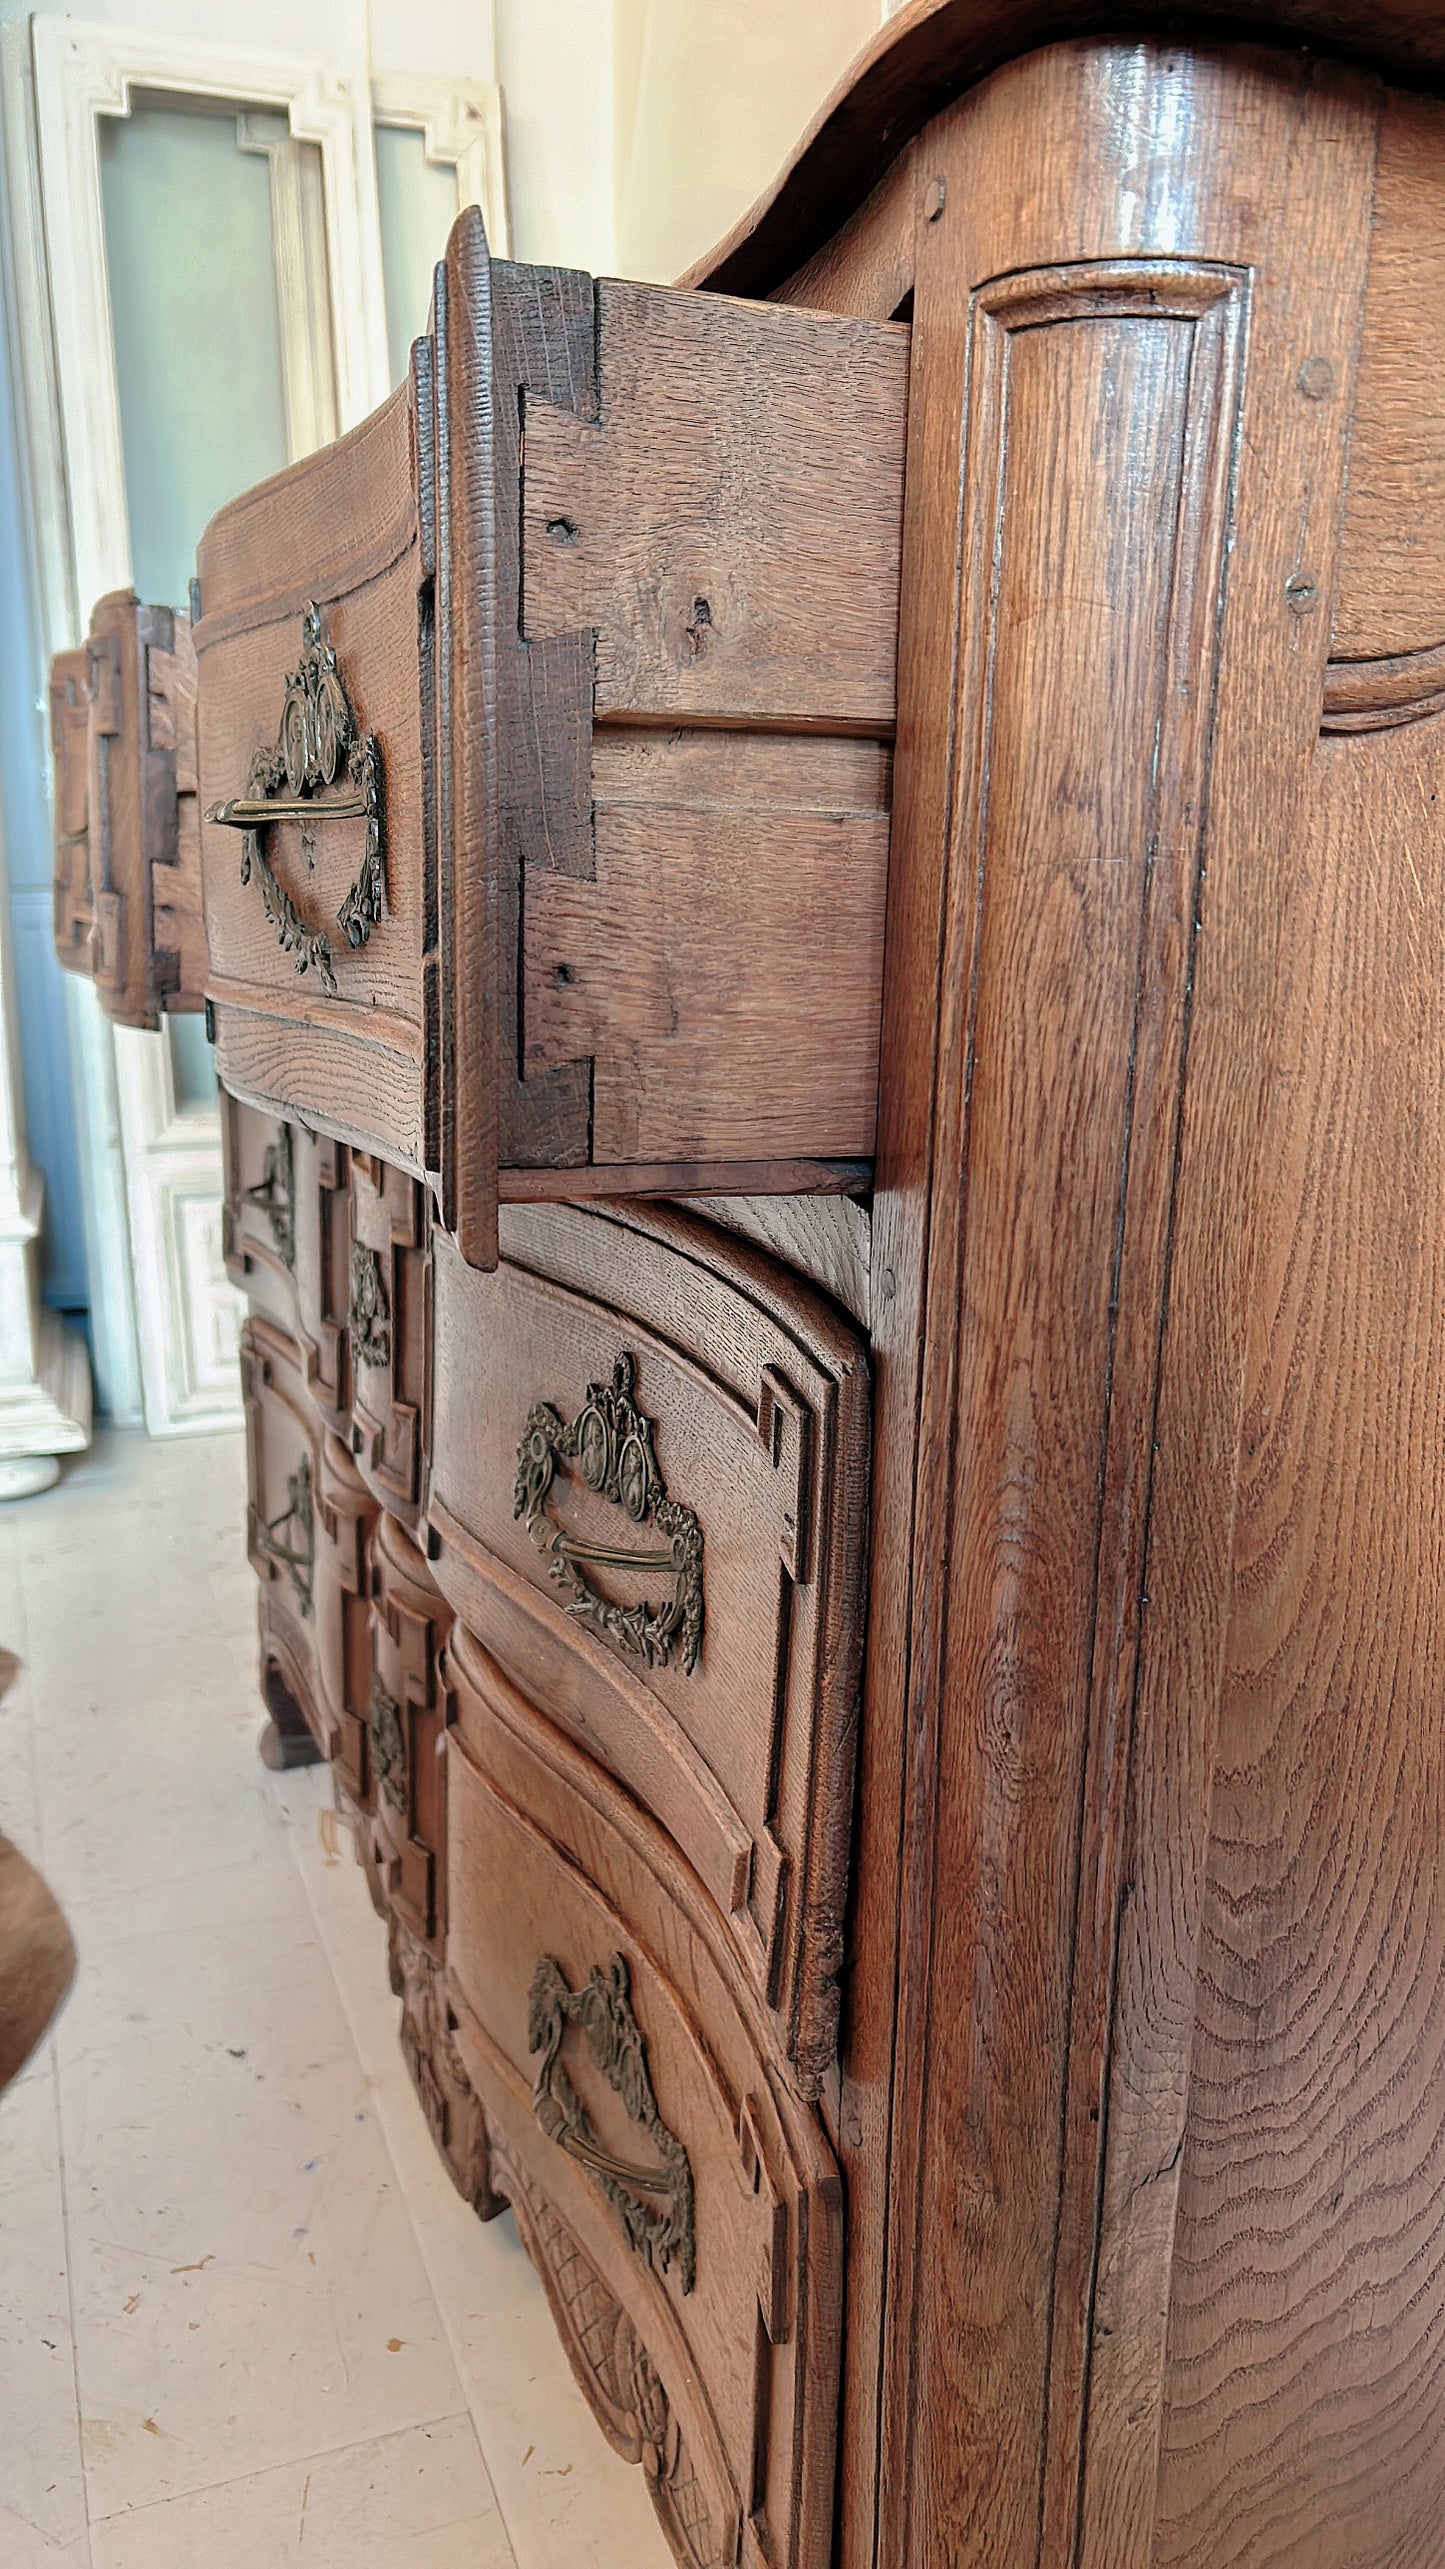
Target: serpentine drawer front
{"points": [[684, 2210], [648, 1485], [547, 853]]}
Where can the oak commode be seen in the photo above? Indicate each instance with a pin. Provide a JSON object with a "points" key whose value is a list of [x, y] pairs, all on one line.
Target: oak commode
{"points": [[824, 926]]}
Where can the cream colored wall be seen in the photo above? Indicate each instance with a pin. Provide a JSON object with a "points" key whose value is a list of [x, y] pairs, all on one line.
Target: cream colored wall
{"points": [[639, 130], [708, 103], [555, 70]]}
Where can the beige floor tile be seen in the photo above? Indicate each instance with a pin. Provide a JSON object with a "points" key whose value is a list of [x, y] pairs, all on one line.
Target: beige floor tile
{"points": [[567, 2498], [42, 2488], [245, 2275], [418, 2500], [256, 2210]]}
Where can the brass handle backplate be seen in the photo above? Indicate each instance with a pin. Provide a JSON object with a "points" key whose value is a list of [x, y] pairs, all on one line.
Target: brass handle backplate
{"points": [[611, 1443], [655, 2201], [319, 736], [289, 1540]]}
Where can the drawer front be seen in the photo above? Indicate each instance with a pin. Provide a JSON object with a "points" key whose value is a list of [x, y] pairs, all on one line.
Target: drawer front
{"points": [[683, 2208], [316, 792], [402, 1841], [286, 1227], [74, 906], [644, 1387], [388, 1329], [259, 1207], [283, 1438]]}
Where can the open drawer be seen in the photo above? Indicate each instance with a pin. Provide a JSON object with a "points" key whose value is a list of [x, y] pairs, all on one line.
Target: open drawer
{"points": [[545, 746], [127, 853], [683, 2208]]}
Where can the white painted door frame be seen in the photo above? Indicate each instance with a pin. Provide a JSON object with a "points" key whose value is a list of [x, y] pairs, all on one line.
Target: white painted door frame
{"points": [[185, 1313], [164, 1317]]}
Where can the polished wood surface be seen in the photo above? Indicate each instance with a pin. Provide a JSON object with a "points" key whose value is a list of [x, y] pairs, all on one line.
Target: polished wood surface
{"points": [[891, 1707]]}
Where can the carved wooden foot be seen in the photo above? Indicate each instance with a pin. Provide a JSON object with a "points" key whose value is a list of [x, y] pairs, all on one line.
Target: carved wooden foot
{"points": [[286, 1740]]}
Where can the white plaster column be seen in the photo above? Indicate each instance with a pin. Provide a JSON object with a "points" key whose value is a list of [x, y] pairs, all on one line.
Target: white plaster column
{"points": [[44, 1370]]}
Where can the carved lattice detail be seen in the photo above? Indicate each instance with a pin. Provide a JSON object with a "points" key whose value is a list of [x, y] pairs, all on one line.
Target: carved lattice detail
{"points": [[619, 2378]]}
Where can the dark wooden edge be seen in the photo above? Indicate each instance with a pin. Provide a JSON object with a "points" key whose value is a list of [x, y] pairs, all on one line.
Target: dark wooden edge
{"points": [[466, 641], [1377, 695], [934, 49], [686, 1177]]}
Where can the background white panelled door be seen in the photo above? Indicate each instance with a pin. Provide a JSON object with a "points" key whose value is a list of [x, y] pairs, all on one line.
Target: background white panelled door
{"points": [[226, 264]]}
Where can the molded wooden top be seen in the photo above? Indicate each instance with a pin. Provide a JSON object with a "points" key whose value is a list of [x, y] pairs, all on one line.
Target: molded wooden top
{"points": [[934, 49]]}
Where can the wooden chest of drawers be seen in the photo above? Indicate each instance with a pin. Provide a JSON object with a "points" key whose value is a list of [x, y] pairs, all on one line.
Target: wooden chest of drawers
{"points": [[891, 1708]]}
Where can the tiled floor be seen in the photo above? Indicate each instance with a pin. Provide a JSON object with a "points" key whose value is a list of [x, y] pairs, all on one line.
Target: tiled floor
{"points": [[245, 2322]]}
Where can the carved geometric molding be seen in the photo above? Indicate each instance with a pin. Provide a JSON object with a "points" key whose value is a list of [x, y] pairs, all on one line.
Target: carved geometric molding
{"points": [[1101, 431], [618, 2376], [1378, 695]]}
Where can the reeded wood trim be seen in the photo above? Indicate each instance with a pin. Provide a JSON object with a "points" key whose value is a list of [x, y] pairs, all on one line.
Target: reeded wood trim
{"points": [[1376, 695]]}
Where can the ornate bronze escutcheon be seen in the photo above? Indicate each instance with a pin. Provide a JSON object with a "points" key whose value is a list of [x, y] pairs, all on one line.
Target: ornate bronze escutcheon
{"points": [[388, 1744], [296, 1553], [611, 1443], [656, 2202], [369, 1316], [275, 1196], [319, 737]]}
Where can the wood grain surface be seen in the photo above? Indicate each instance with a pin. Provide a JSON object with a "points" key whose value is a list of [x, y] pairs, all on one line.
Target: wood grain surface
{"points": [[1104, 672], [1307, 2317]]}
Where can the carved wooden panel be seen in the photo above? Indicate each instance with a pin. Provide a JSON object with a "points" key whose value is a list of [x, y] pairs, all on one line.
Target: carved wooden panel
{"points": [[283, 1528], [346, 1518], [323, 1273], [388, 1329], [684, 2211], [259, 1206], [717, 1676], [74, 907], [286, 1231], [407, 1720]]}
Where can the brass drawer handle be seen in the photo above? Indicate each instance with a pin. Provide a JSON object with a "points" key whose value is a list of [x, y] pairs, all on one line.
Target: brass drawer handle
{"points": [[656, 2202], [319, 733], [611, 1442], [297, 1556]]}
